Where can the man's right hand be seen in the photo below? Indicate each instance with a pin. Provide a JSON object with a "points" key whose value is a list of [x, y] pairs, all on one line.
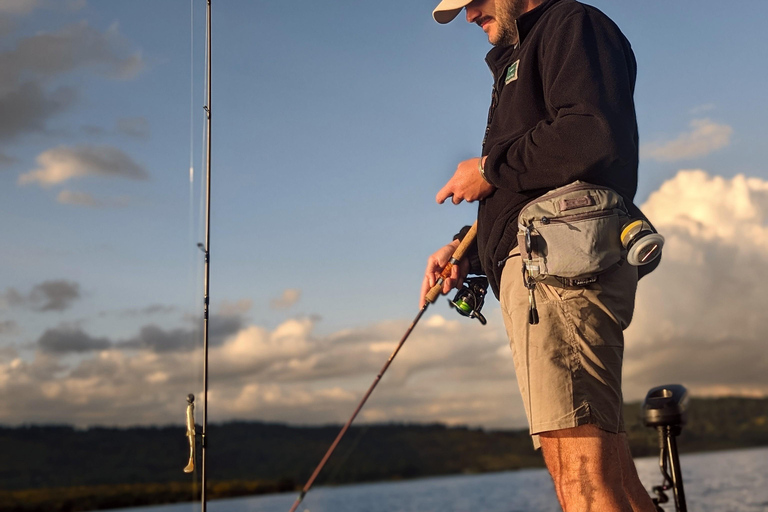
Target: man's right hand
{"points": [[435, 265]]}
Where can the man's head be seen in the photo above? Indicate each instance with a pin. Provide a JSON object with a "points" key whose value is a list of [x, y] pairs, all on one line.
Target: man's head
{"points": [[495, 17]]}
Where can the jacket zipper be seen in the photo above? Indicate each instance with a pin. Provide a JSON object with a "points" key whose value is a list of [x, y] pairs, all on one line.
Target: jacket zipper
{"points": [[565, 219]]}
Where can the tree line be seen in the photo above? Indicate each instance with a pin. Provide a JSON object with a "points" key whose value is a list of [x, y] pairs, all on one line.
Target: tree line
{"points": [[62, 468]]}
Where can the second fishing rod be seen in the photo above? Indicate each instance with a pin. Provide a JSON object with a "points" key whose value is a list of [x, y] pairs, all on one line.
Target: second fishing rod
{"points": [[467, 302]]}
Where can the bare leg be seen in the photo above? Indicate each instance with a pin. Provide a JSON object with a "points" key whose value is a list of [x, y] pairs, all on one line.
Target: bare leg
{"points": [[593, 471], [637, 494]]}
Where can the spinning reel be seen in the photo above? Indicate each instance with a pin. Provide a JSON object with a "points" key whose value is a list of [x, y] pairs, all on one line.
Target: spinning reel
{"points": [[642, 243], [470, 298]]}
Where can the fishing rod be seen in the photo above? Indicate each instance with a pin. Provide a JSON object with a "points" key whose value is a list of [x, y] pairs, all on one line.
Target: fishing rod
{"points": [[431, 296], [206, 248]]}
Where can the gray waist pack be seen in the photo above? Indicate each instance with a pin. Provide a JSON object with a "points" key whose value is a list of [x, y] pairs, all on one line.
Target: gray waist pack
{"points": [[572, 234]]}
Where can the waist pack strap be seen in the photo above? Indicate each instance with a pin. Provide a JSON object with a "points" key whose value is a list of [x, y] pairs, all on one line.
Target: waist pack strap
{"points": [[577, 282]]}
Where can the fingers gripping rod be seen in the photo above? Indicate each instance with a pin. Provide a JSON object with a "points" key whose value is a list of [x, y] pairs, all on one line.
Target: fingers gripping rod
{"points": [[431, 296], [434, 292]]}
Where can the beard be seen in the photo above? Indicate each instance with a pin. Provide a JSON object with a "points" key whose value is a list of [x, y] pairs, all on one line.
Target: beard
{"points": [[507, 11]]}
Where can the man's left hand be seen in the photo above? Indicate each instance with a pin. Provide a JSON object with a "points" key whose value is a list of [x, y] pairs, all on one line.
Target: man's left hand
{"points": [[467, 184]]}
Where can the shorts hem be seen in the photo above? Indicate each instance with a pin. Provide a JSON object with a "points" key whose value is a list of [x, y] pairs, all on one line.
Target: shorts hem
{"points": [[584, 418]]}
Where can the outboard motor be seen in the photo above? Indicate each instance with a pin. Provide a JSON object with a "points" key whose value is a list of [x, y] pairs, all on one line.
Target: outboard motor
{"points": [[665, 408]]}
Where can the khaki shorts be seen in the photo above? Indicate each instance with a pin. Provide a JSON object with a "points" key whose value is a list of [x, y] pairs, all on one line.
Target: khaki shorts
{"points": [[568, 365]]}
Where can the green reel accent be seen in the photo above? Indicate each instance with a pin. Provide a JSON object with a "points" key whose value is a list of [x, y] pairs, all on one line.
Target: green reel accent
{"points": [[462, 306]]}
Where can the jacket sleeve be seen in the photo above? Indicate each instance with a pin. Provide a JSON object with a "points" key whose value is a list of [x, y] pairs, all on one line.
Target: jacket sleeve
{"points": [[588, 73]]}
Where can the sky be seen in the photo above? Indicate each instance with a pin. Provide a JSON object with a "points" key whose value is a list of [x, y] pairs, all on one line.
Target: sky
{"points": [[334, 124]]}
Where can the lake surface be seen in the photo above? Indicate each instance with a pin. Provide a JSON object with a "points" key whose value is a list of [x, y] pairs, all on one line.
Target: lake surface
{"points": [[731, 481]]}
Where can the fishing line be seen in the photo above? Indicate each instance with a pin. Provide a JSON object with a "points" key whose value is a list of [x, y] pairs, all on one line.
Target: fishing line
{"points": [[194, 220], [348, 453], [193, 272], [196, 234], [201, 207], [191, 227], [430, 297]]}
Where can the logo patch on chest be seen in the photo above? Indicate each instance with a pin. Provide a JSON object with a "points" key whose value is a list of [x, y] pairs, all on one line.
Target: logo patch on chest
{"points": [[512, 72]]}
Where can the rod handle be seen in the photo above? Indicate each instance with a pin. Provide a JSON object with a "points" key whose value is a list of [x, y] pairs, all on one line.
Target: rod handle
{"points": [[434, 292]]}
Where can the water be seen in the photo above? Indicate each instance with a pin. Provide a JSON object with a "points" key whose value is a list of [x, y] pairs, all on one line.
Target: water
{"points": [[733, 481]]}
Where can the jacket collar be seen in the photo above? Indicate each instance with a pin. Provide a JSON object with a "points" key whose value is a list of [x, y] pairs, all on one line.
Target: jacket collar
{"points": [[525, 23]]}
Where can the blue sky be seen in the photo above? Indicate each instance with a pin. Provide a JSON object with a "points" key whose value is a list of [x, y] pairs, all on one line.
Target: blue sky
{"points": [[334, 125]]}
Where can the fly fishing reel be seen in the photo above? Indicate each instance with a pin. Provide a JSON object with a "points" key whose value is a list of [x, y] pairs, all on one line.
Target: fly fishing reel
{"points": [[470, 298], [642, 242]]}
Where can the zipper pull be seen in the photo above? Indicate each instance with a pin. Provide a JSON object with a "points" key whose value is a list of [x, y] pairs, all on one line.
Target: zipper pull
{"points": [[533, 312]]}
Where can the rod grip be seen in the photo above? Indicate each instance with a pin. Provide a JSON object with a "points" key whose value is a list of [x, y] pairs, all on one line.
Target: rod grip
{"points": [[434, 292]]}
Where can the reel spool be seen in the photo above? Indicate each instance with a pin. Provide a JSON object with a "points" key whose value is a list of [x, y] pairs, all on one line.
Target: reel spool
{"points": [[470, 298], [642, 243]]}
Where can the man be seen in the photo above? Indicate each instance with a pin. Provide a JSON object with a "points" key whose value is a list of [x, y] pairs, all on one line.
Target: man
{"points": [[562, 110]]}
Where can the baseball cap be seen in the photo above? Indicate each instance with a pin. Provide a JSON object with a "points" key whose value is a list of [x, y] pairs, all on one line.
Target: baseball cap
{"points": [[448, 9]]}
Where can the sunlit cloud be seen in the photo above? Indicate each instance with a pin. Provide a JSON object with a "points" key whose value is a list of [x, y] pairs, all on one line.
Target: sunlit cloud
{"points": [[64, 163], [288, 298], [700, 318], [704, 138], [451, 370]]}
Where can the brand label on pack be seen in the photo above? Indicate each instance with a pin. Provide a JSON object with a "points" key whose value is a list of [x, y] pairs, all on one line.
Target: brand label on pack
{"points": [[512, 72]]}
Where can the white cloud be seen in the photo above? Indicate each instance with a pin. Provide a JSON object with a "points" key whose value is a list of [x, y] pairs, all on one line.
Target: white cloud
{"points": [[700, 317], [64, 163], [705, 137]]}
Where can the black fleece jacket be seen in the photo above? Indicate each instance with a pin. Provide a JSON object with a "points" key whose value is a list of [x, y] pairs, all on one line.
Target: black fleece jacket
{"points": [[562, 110]]}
